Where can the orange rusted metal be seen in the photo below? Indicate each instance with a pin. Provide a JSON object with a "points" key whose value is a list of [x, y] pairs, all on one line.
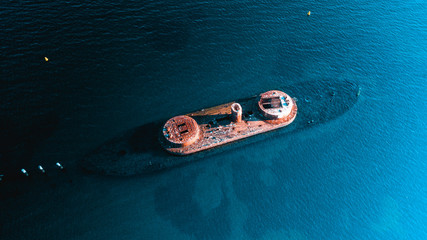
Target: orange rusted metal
{"points": [[236, 112], [275, 104], [212, 127], [181, 131]]}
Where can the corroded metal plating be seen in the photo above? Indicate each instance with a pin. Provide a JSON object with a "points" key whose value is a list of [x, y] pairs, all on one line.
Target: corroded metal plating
{"points": [[275, 104], [287, 118], [212, 127], [236, 112], [181, 131]]}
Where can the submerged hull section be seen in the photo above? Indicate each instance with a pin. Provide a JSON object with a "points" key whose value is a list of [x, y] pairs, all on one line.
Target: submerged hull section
{"points": [[138, 150]]}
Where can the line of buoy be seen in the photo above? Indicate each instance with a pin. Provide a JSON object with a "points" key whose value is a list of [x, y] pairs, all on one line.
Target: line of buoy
{"points": [[39, 167]]}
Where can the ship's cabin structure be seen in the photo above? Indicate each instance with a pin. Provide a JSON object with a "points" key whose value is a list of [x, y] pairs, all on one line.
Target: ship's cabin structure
{"points": [[275, 105], [208, 128], [181, 131]]}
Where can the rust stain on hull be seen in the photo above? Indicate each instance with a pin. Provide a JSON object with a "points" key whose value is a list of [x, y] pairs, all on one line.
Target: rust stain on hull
{"points": [[226, 123]]}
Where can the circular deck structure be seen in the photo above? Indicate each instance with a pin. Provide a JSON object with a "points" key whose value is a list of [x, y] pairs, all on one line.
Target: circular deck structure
{"points": [[276, 106], [181, 131]]}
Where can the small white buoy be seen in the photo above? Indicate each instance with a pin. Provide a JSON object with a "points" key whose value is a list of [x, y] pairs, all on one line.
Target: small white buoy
{"points": [[46, 59], [24, 172], [59, 165], [41, 169]]}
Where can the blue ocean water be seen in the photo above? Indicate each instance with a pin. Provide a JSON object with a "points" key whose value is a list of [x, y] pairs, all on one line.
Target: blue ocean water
{"points": [[114, 65]]}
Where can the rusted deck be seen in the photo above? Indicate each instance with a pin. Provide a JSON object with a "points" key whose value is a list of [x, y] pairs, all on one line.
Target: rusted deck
{"points": [[217, 125]]}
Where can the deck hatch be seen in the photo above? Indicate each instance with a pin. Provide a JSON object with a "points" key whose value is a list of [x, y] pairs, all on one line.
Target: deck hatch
{"points": [[273, 102]]}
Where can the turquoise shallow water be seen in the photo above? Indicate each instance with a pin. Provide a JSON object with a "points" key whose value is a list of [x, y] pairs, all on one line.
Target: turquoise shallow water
{"points": [[113, 66]]}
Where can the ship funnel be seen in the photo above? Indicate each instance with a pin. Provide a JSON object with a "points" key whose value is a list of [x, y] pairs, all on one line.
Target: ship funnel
{"points": [[236, 112]]}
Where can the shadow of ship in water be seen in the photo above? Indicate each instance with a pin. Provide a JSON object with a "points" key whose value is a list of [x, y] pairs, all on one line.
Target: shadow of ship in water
{"points": [[138, 150]]}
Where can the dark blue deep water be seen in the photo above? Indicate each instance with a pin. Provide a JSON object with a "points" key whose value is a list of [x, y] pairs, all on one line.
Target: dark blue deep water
{"points": [[114, 65]]}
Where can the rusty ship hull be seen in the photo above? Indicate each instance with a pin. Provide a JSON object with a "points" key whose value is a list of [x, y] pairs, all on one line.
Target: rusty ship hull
{"points": [[139, 151], [215, 126]]}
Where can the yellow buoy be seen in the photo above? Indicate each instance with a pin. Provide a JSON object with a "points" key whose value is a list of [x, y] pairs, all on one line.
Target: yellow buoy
{"points": [[46, 59], [308, 14]]}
